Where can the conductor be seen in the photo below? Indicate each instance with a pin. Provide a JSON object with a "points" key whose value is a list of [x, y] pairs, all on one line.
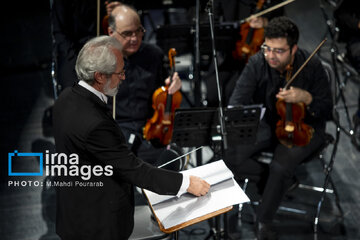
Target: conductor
{"points": [[83, 126]]}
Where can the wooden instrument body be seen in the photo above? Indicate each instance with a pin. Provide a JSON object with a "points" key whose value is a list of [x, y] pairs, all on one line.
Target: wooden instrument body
{"points": [[160, 126], [291, 129], [250, 42], [251, 39]]}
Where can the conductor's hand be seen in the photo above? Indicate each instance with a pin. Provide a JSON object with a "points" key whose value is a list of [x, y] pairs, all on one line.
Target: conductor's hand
{"points": [[197, 186]]}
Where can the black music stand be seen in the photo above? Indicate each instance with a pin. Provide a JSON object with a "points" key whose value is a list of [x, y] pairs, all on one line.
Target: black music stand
{"points": [[200, 126], [181, 37]]}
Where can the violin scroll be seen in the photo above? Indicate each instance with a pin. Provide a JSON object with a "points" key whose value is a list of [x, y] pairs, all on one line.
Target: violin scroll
{"points": [[171, 54]]}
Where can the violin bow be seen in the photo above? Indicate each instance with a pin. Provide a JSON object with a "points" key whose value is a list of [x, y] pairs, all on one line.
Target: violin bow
{"points": [[304, 64], [98, 18], [266, 11]]}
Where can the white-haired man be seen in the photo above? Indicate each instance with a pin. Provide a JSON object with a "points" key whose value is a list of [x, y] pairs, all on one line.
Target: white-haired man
{"points": [[84, 126]]}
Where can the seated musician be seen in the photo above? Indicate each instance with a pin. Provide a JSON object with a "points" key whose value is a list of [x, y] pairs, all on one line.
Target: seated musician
{"points": [[145, 73], [250, 37], [261, 82]]}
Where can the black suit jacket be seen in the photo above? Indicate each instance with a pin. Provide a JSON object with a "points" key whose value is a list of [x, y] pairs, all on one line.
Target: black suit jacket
{"points": [[83, 125]]}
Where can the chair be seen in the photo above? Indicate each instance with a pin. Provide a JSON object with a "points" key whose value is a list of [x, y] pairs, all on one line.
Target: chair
{"points": [[327, 166]]}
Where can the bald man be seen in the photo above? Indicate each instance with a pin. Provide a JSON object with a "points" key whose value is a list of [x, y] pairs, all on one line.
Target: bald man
{"points": [[144, 74]]}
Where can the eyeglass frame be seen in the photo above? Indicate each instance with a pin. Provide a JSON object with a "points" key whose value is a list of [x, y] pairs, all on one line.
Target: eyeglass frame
{"points": [[279, 51], [120, 74], [137, 32]]}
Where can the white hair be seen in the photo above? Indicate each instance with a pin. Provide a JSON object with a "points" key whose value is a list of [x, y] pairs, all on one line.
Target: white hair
{"points": [[97, 56]]}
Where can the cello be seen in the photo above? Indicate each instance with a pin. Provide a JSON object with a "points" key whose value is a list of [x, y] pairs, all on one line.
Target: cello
{"points": [[160, 126], [291, 129]]}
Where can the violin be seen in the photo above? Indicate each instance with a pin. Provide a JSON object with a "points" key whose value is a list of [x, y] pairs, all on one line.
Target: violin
{"points": [[105, 24], [291, 129], [105, 21], [251, 39], [160, 126]]}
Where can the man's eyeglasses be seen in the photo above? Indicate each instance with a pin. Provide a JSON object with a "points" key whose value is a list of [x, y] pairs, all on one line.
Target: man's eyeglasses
{"points": [[120, 74], [266, 49], [128, 34]]}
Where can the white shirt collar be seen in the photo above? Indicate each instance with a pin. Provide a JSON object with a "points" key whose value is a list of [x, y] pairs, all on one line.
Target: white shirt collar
{"points": [[102, 96]]}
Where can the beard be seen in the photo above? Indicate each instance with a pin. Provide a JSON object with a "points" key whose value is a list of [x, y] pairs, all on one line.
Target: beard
{"points": [[110, 91], [277, 64]]}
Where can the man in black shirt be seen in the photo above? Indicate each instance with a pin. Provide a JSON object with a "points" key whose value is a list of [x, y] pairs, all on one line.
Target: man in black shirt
{"points": [[144, 74], [261, 82], [232, 62]]}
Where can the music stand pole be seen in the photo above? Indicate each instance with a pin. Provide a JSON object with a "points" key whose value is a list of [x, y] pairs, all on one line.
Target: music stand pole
{"points": [[221, 113], [197, 88], [223, 133], [338, 86]]}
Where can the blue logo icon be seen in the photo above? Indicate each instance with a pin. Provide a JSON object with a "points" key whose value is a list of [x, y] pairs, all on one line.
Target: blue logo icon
{"points": [[17, 154]]}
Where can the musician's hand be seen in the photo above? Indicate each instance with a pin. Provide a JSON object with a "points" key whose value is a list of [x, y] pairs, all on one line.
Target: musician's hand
{"points": [[295, 95], [198, 186], [175, 84], [258, 22], [110, 6]]}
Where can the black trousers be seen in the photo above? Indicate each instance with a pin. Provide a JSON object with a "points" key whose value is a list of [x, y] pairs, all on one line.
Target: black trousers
{"points": [[280, 173]]}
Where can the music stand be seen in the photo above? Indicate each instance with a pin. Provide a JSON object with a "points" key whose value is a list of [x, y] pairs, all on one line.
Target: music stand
{"points": [[200, 126], [181, 37]]}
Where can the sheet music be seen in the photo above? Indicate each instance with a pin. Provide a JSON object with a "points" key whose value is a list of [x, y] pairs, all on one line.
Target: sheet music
{"points": [[212, 173], [224, 192]]}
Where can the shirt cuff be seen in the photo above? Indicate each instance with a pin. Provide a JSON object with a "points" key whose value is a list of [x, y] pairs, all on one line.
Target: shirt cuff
{"points": [[184, 186]]}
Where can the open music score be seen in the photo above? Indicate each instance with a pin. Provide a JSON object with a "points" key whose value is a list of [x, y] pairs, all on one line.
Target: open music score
{"points": [[173, 213]]}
